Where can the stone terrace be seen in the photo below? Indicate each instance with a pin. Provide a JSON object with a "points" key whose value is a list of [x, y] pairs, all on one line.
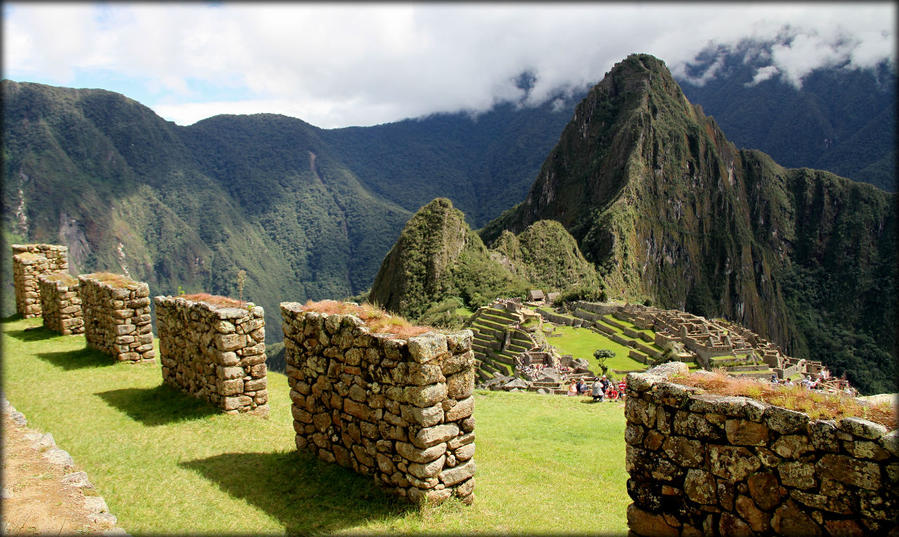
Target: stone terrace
{"points": [[29, 262], [398, 410], [116, 314], [60, 303], [703, 464], [214, 348]]}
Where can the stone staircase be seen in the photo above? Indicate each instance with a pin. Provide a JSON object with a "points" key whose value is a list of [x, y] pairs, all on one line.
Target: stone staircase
{"points": [[498, 340]]}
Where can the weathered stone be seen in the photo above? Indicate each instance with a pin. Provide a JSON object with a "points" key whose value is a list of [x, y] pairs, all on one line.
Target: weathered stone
{"points": [[425, 470], [653, 440], [633, 434], [822, 436], [700, 487], [746, 433], [843, 528], [425, 417], [427, 347], [460, 385], [785, 421], [797, 474], [640, 412], [695, 426], [418, 374], [863, 474], [451, 476], [425, 396], [865, 449], [430, 436], [789, 520], [359, 410], [461, 440], [457, 362], [823, 502], [465, 452], [684, 451], [732, 525], [648, 524], [732, 462], [462, 409], [791, 446], [862, 428], [419, 455]]}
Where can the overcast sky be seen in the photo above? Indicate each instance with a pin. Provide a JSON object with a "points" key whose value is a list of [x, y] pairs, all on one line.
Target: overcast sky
{"points": [[344, 64]]}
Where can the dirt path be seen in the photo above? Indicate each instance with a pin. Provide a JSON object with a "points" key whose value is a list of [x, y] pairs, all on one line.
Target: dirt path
{"points": [[43, 491]]}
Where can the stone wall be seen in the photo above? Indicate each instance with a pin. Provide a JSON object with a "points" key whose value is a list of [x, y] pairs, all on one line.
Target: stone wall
{"points": [[703, 464], [214, 348], [398, 410], [116, 313], [29, 262], [60, 303]]}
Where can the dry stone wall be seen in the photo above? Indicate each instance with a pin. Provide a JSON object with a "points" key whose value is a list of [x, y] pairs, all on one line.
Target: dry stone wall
{"points": [[703, 464], [398, 410], [214, 351], [60, 303], [29, 262], [116, 313]]}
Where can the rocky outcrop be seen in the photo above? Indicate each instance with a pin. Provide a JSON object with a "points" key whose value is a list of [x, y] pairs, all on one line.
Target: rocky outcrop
{"points": [[116, 314], [718, 465], [60, 303], [214, 348], [401, 411], [29, 262]]}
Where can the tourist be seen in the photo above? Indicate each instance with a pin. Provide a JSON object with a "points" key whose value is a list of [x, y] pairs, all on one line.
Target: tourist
{"points": [[572, 389], [581, 386], [598, 390]]}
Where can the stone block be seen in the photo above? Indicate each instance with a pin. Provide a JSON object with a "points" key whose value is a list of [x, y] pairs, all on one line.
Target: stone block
{"points": [[427, 347], [429, 436], [451, 476]]}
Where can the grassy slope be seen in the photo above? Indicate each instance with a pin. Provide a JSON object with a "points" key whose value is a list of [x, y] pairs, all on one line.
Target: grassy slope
{"points": [[169, 463], [580, 343]]}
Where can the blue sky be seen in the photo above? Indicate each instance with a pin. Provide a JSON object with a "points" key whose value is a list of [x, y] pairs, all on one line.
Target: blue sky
{"points": [[345, 64]]}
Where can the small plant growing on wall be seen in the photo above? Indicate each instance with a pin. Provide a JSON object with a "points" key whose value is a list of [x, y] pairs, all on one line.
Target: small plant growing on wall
{"points": [[241, 280]]}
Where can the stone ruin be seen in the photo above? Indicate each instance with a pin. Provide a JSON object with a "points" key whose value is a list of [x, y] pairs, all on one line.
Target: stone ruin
{"points": [[60, 303], [30, 261], [398, 410], [116, 313], [214, 348], [703, 464]]}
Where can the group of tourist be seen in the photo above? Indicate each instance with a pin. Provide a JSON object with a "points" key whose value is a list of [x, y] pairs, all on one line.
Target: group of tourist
{"points": [[820, 381], [602, 388]]}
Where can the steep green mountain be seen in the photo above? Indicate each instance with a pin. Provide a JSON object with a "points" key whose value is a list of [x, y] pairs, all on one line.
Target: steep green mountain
{"points": [[841, 119], [187, 207], [669, 210], [438, 258], [545, 255]]}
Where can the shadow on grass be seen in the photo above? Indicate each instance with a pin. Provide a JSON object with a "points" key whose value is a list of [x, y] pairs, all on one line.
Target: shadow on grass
{"points": [[11, 318], [35, 333], [307, 495], [77, 359], [158, 406]]}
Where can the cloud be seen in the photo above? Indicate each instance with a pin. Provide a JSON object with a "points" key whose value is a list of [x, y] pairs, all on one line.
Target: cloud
{"points": [[361, 64], [763, 74]]}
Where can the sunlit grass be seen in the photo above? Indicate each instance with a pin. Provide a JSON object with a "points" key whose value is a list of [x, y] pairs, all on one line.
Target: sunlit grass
{"points": [[581, 342], [169, 463]]}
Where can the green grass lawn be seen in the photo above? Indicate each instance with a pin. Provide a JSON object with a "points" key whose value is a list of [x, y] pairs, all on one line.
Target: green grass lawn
{"points": [[581, 342], [169, 463]]}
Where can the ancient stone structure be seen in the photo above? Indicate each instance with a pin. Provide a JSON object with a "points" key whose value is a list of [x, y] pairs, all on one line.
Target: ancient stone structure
{"points": [[116, 313], [214, 348], [703, 464], [29, 262], [398, 410], [60, 303]]}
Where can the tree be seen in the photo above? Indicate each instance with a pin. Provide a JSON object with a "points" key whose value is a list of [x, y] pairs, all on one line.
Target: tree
{"points": [[602, 356]]}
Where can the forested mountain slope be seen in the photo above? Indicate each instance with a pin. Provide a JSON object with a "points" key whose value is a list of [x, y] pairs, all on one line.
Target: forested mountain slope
{"points": [[668, 209]]}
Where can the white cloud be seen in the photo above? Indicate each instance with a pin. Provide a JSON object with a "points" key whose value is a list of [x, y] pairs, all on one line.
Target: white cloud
{"points": [[763, 74], [342, 64]]}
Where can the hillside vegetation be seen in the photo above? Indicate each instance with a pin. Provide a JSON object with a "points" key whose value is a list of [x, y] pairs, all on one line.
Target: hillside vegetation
{"points": [[670, 211], [439, 260], [167, 463]]}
